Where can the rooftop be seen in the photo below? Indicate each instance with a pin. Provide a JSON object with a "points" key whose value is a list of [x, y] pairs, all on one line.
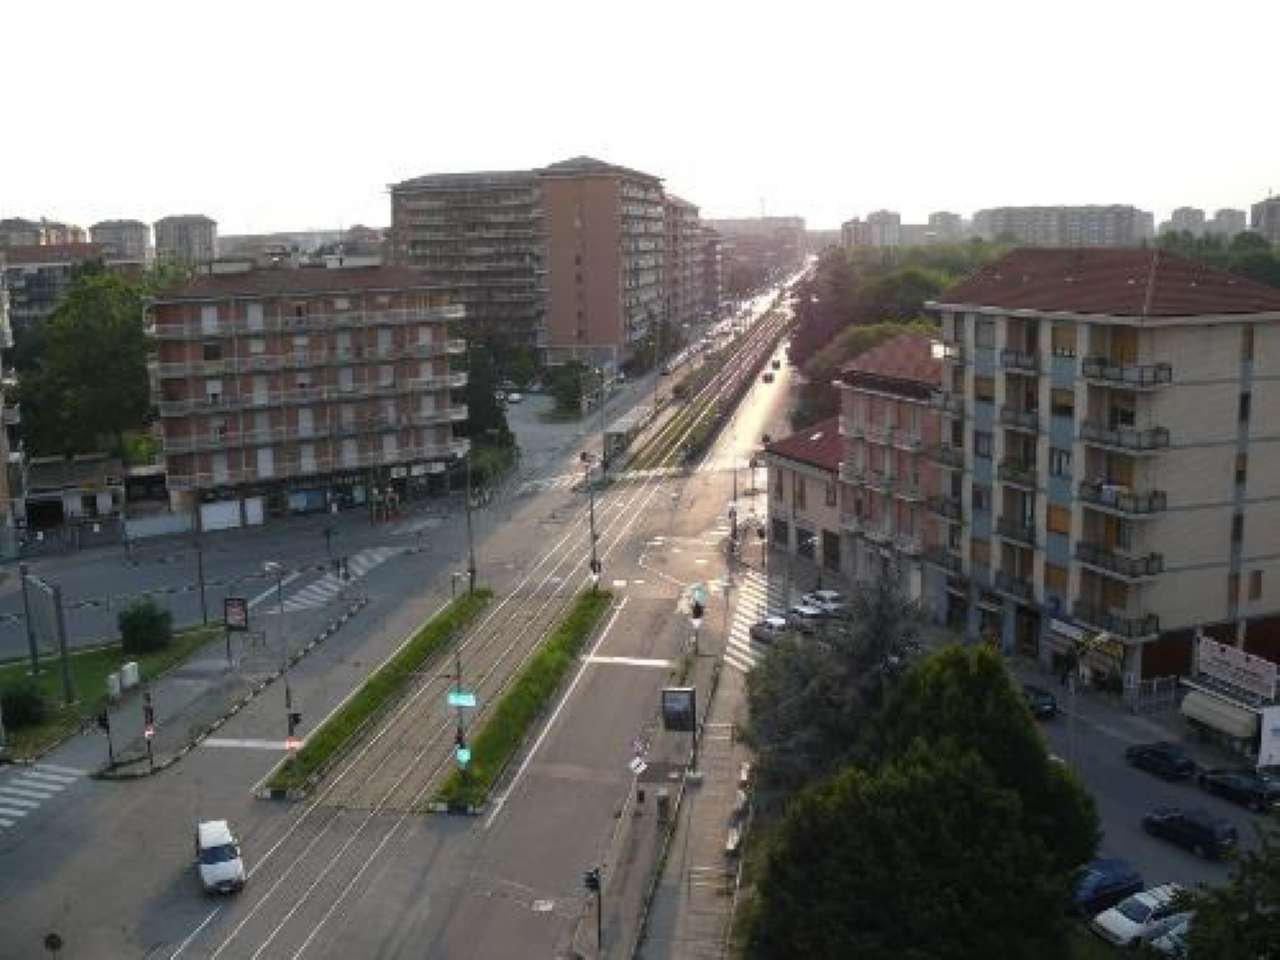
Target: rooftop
{"points": [[51, 253], [187, 218], [1150, 284], [474, 180], [304, 280], [578, 166], [908, 356], [818, 445]]}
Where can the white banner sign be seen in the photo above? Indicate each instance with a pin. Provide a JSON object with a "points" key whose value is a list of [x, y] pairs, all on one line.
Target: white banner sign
{"points": [[1269, 747], [1244, 670]]}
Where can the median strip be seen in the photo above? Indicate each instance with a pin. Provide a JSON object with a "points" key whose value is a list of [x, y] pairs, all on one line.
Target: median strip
{"points": [[379, 690], [504, 729]]}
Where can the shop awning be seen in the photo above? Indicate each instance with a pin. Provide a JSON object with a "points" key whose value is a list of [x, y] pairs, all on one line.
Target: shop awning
{"points": [[1228, 718]]}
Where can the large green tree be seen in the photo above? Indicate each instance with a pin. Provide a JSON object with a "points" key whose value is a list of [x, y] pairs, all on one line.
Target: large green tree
{"points": [[1242, 917], [89, 381], [924, 858]]}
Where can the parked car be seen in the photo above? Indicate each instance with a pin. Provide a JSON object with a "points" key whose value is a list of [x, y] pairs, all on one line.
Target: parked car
{"points": [[1174, 942], [1196, 830], [830, 602], [1142, 917], [1164, 759], [769, 630], [804, 618], [1101, 884], [218, 860], [514, 397], [1043, 704], [1246, 787]]}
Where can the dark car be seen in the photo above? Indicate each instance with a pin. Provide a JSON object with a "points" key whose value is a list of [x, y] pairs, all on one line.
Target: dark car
{"points": [[1196, 830], [1043, 704], [1103, 883], [1164, 759], [1243, 786]]}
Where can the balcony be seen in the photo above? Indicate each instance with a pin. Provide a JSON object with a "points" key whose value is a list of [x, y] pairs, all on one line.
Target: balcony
{"points": [[1020, 361], [879, 481], [950, 404], [197, 330], [1015, 586], [1017, 473], [1130, 376], [1111, 499], [944, 557], [1119, 565], [904, 439], [877, 532], [877, 433], [455, 346], [850, 523], [948, 507], [1142, 626], [850, 427], [947, 455], [1125, 439], [1028, 420], [1016, 531], [852, 474], [908, 544], [907, 488]]}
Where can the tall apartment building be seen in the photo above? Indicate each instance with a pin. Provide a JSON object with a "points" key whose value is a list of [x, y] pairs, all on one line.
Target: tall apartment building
{"points": [[54, 233], [712, 272], [9, 420], [1265, 219], [1227, 222], [683, 266], [38, 277], [17, 232], [1107, 458], [481, 237], [885, 228], [123, 239], [855, 232], [1189, 219], [1088, 226], [760, 247], [297, 389], [946, 227], [606, 250], [190, 238]]}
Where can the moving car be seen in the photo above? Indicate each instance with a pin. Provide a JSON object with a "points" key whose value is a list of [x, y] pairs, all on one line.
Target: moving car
{"points": [[769, 630], [1043, 704], [1164, 759], [514, 397], [1101, 884], [218, 858], [1196, 830], [830, 602], [805, 618], [1246, 787], [1142, 917]]}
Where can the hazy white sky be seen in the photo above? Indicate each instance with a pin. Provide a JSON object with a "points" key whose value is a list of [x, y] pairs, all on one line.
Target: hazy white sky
{"points": [[279, 115]]}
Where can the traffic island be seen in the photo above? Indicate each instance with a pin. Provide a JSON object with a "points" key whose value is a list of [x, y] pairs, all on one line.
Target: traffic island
{"points": [[503, 731], [296, 775]]}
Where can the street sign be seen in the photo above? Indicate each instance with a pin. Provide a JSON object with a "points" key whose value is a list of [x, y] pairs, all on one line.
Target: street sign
{"points": [[463, 755], [292, 743], [461, 698], [235, 613], [679, 708], [637, 766]]}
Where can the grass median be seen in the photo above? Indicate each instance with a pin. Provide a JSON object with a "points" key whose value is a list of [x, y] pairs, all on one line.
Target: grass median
{"points": [[504, 730], [381, 688]]}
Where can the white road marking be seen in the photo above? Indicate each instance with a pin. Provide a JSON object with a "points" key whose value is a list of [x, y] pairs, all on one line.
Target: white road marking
{"points": [[194, 933], [26, 781], [12, 812], [55, 768], [14, 801], [6, 823], [631, 661], [248, 744], [272, 589], [52, 777], [8, 793]]}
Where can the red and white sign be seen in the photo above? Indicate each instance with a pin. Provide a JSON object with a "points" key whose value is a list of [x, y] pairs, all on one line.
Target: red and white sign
{"points": [[292, 743], [1237, 668], [148, 731]]}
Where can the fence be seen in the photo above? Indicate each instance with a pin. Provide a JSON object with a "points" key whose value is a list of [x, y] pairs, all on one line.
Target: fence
{"points": [[1152, 696]]}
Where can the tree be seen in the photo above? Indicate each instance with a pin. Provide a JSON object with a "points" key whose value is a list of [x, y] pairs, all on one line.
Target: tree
{"points": [[1242, 918], [89, 384], [486, 422], [922, 858], [566, 386]]}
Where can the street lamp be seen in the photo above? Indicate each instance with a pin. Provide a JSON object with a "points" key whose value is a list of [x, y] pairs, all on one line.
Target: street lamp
{"points": [[273, 569], [471, 545], [591, 494]]}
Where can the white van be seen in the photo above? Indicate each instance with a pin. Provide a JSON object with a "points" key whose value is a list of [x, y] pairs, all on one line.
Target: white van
{"points": [[218, 858]]}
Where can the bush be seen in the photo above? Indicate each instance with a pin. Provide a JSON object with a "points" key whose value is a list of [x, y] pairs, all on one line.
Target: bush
{"points": [[145, 627], [23, 705]]}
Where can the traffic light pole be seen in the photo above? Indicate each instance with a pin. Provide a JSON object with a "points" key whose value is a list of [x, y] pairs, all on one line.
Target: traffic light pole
{"points": [[26, 618], [471, 547], [591, 493]]}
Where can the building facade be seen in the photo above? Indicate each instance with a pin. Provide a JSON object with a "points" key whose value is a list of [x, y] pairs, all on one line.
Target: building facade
{"points": [[1087, 226], [946, 227], [123, 239], [1264, 218], [303, 389], [1227, 222], [38, 277], [17, 232], [885, 228], [1107, 458], [190, 238], [712, 272], [683, 271], [855, 232], [804, 518], [1188, 219]]}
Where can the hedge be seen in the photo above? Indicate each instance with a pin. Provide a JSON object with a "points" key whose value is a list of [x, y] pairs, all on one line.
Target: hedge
{"points": [[378, 690]]}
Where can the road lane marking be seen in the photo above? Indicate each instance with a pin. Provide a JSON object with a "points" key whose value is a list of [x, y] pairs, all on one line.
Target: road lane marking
{"points": [[14, 801], [247, 744], [270, 590], [9, 793], [51, 777], [55, 768], [6, 823], [631, 661], [26, 781], [497, 804], [194, 933], [11, 812]]}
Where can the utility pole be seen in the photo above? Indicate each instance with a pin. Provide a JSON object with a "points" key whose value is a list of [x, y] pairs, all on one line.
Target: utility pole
{"points": [[591, 495], [471, 546], [594, 883], [60, 616], [26, 616], [604, 449], [204, 606]]}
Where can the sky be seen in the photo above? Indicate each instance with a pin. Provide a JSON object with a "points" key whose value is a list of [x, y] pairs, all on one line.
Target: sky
{"points": [[289, 115]]}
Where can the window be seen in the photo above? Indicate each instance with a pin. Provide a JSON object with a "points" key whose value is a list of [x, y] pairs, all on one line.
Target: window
{"points": [[1245, 403], [1055, 579], [984, 333], [1062, 403], [1233, 590], [831, 494], [797, 492], [209, 319], [981, 444], [341, 303], [1255, 577], [1242, 468], [1059, 462], [980, 552], [984, 388], [1058, 519], [212, 351], [1063, 340], [981, 498], [777, 484], [1246, 345], [255, 316], [1237, 528], [257, 346]]}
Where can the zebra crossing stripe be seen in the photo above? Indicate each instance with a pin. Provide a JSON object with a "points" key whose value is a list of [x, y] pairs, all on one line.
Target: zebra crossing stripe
{"points": [[56, 768], [39, 784], [52, 777], [12, 812], [16, 802]]}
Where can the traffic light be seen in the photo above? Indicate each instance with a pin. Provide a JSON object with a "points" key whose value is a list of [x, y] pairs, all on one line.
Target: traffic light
{"points": [[295, 718], [595, 566], [591, 880], [104, 722], [696, 610]]}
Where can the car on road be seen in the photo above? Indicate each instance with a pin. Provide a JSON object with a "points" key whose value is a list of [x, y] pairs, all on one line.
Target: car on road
{"points": [[769, 630], [1142, 917], [1246, 787], [218, 860], [1164, 759], [1205, 835], [1043, 704], [514, 397], [805, 618], [1102, 884], [830, 602]]}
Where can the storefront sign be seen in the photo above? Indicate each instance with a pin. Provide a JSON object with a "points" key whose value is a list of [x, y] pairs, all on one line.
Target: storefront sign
{"points": [[1236, 668], [1269, 741]]}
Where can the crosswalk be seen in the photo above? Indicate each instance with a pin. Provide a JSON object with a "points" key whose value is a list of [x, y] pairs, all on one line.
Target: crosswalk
{"points": [[26, 789], [320, 592], [756, 599]]}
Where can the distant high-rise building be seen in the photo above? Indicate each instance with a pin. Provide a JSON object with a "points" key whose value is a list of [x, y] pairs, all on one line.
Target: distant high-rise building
{"points": [[191, 238], [1228, 222], [885, 227], [54, 233], [1188, 219], [1265, 219], [17, 232], [682, 267], [946, 227], [756, 248], [855, 232], [123, 239], [38, 277], [1087, 226]]}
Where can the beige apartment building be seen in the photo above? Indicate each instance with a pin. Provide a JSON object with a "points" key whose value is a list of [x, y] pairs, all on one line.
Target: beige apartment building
{"points": [[123, 239], [303, 389], [684, 267], [1107, 428], [804, 497], [188, 238]]}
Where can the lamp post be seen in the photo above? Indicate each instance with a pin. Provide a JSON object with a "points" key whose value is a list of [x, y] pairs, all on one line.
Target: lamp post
{"points": [[471, 545], [591, 495], [272, 568], [604, 449]]}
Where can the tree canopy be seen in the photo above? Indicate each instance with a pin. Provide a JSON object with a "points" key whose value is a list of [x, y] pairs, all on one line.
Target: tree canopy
{"points": [[1242, 918]]}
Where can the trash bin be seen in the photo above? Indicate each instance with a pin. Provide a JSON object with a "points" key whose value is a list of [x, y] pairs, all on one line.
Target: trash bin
{"points": [[113, 686]]}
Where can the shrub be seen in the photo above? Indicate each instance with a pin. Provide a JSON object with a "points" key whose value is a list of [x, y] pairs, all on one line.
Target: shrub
{"points": [[23, 705], [145, 627]]}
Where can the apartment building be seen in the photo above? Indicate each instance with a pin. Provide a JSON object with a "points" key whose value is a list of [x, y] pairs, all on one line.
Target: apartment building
{"points": [[17, 232], [302, 389], [9, 420], [946, 227], [683, 270], [1264, 218], [890, 508], [123, 239], [1109, 465], [38, 277], [481, 237], [1189, 219], [804, 497], [1227, 222], [757, 248], [1087, 226], [712, 272], [189, 238]]}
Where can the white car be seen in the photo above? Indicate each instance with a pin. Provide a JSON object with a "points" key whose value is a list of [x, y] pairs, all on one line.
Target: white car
{"points": [[805, 618], [830, 602], [218, 858], [769, 630], [1142, 917], [514, 397]]}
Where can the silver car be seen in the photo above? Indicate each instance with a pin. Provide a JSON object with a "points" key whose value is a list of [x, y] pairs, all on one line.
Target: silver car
{"points": [[805, 618], [769, 630]]}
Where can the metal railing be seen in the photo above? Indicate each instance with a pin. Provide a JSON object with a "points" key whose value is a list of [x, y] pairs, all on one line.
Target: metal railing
{"points": [[1127, 438], [949, 403], [944, 557], [1019, 360], [946, 454], [1106, 495], [1012, 584], [1020, 419], [1122, 565], [1012, 529], [1015, 471], [1131, 627], [1135, 375], [949, 507], [197, 329]]}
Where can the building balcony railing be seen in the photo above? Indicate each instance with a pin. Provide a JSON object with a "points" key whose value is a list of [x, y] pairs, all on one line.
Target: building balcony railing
{"points": [[1129, 439], [1016, 530], [197, 330], [1028, 420], [1020, 360], [453, 414], [904, 439], [948, 507], [851, 522], [877, 533], [1018, 473], [851, 428], [907, 488], [1119, 564], [880, 481], [1137, 627], [950, 404], [296, 360], [1132, 376], [946, 455], [909, 544], [272, 398], [877, 432], [944, 557], [1014, 585], [1116, 500]]}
